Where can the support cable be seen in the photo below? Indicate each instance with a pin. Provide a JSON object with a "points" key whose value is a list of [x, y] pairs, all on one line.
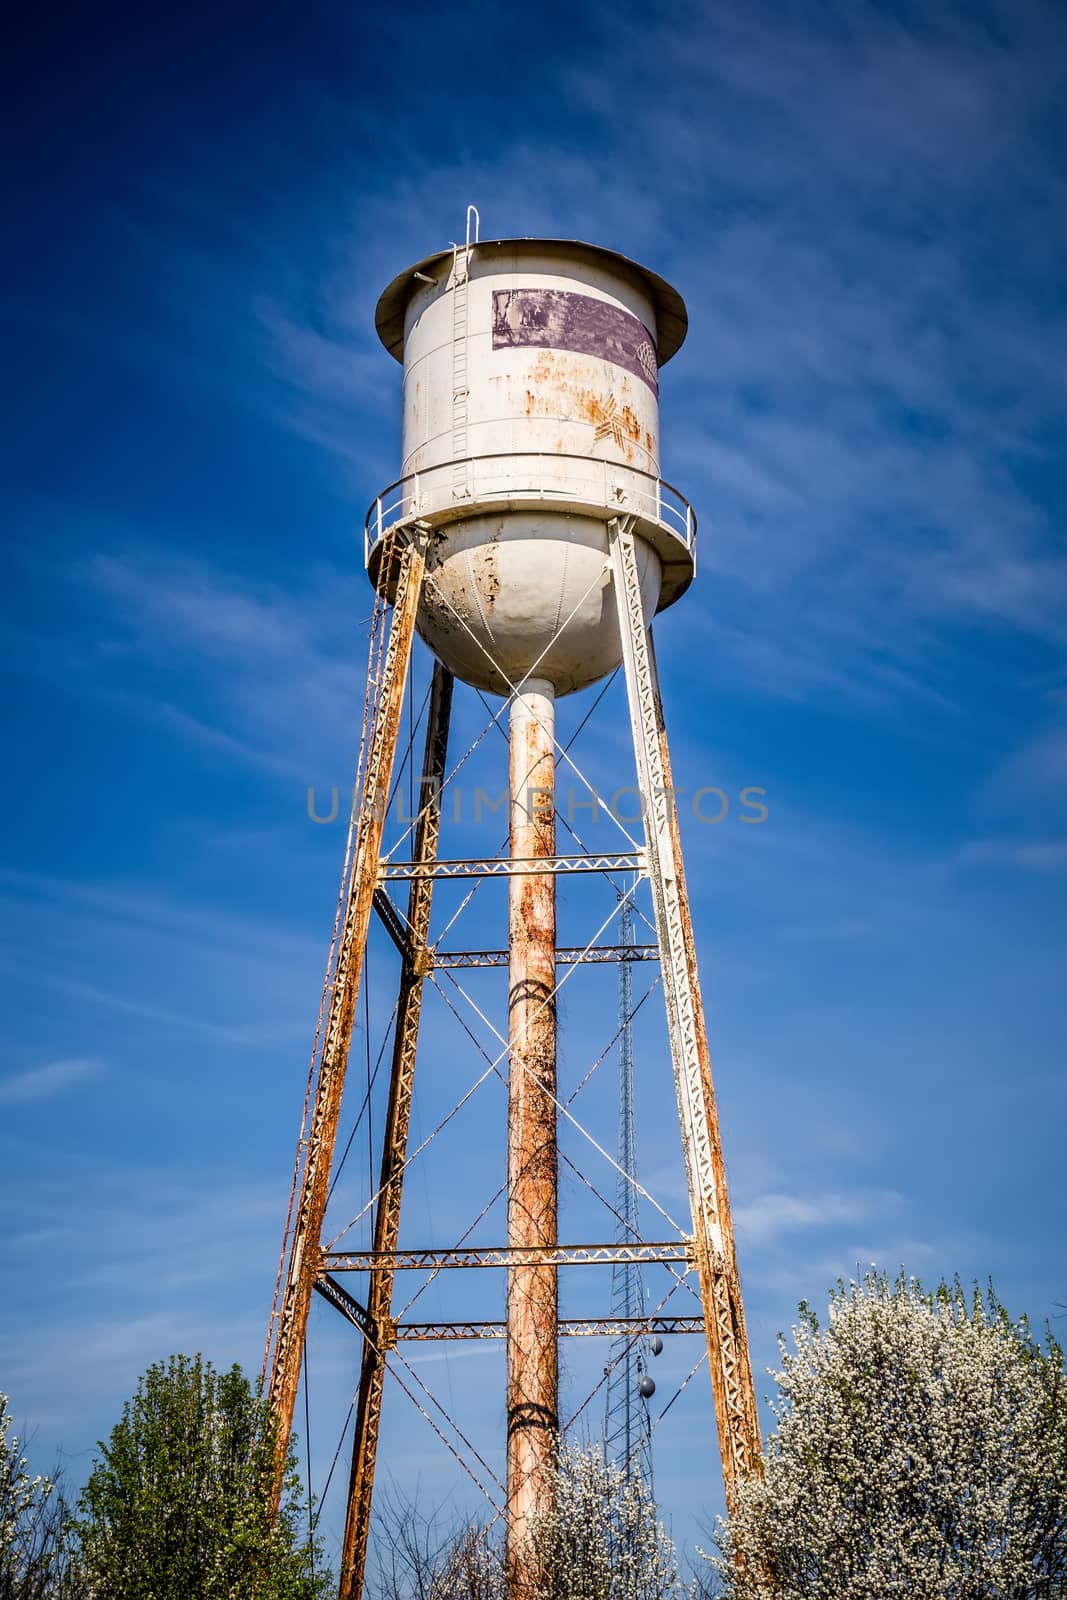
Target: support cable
{"points": [[608, 1370], [366, 1098], [561, 1106], [333, 1463], [685, 1381], [516, 689], [391, 1369], [567, 823], [403, 1166], [681, 1279], [465, 1235], [493, 1067], [406, 763], [494, 722], [453, 1424], [611, 1365], [608, 1048]]}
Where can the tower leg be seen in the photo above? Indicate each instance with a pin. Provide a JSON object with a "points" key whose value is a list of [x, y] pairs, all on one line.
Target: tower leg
{"points": [[533, 1300], [394, 1145], [304, 1258], [713, 1240]]}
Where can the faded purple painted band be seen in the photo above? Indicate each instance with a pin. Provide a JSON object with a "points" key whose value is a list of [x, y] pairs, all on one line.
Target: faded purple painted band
{"points": [[562, 321]]}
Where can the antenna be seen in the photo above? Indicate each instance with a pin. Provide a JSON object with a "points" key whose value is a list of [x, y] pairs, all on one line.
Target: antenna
{"points": [[627, 1424]]}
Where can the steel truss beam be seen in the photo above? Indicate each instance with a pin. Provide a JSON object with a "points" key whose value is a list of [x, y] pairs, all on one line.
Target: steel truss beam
{"points": [[510, 866], [713, 1241], [386, 696], [566, 956], [561, 1255], [392, 920], [567, 1327], [416, 930]]}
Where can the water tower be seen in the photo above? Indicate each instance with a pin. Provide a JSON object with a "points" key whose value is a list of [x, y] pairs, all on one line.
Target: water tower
{"points": [[529, 541]]}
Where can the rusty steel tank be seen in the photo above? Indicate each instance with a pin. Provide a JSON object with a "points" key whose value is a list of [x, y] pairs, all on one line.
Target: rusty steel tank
{"points": [[531, 419]]}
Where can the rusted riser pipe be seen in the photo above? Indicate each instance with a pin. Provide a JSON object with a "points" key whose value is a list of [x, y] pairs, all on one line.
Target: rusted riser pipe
{"points": [[533, 1300]]}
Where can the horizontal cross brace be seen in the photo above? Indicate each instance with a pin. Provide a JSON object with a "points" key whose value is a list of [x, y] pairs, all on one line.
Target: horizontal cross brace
{"points": [[566, 956], [564, 1255], [570, 1327], [507, 867]]}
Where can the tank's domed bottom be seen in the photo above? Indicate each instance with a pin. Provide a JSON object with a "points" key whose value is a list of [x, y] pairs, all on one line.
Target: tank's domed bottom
{"points": [[527, 594]]}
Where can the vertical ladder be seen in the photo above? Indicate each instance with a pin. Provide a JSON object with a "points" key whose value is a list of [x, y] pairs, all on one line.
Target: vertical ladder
{"points": [[460, 285], [461, 480]]}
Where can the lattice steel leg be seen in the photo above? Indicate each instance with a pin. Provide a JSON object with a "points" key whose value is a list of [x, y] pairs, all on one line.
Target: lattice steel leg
{"points": [[304, 1258], [394, 1147], [713, 1241]]}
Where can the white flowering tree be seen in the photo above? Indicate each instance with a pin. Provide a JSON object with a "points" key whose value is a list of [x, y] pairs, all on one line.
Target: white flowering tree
{"points": [[604, 1540], [920, 1450], [33, 1525]]}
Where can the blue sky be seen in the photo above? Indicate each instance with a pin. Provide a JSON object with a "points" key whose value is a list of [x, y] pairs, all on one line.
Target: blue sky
{"points": [[864, 208]]}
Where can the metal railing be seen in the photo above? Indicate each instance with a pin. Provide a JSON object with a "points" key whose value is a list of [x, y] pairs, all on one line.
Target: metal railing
{"points": [[532, 476]]}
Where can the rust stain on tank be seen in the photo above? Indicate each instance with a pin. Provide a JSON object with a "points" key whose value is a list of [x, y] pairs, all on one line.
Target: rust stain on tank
{"points": [[489, 577], [590, 406], [561, 387], [544, 367], [631, 423]]}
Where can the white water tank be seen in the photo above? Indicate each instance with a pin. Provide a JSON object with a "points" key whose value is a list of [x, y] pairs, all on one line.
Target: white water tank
{"points": [[531, 418]]}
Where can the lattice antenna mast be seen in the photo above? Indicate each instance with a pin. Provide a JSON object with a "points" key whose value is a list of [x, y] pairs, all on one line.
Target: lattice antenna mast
{"points": [[627, 1425]]}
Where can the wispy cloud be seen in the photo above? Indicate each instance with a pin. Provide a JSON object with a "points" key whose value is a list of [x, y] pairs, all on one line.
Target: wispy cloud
{"points": [[1037, 769], [1028, 855], [771, 1216], [870, 373], [159, 1262], [859, 391], [46, 1081], [224, 661], [138, 953]]}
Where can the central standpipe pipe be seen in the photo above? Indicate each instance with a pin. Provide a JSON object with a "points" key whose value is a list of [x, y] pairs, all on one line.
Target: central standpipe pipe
{"points": [[533, 1295]]}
